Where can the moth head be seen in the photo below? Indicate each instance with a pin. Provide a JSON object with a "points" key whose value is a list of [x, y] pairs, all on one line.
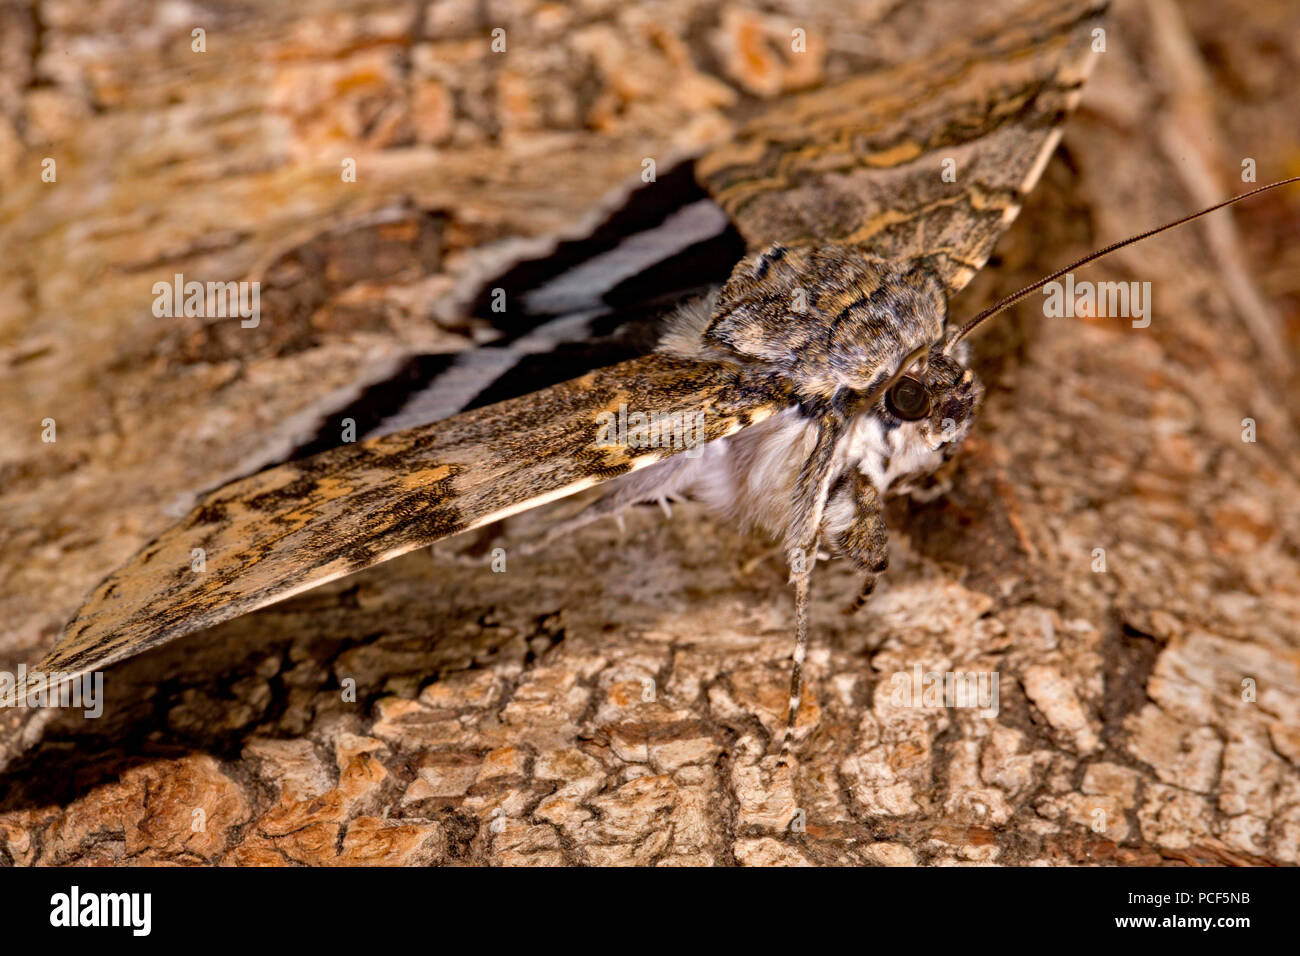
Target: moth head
{"points": [[934, 396]]}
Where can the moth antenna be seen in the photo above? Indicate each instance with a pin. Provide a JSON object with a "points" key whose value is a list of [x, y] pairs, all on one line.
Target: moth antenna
{"points": [[1015, 297]]}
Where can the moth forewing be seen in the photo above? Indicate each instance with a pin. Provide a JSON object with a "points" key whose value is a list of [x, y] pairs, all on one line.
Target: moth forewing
{"points": [[285, 530], [861, 162]]}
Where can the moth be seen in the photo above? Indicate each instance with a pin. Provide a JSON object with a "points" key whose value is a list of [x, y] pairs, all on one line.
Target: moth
{"points": [[820, 377]]}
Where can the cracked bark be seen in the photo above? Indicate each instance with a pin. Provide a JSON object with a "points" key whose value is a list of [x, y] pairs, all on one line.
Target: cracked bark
{"points": [[505, 718]]}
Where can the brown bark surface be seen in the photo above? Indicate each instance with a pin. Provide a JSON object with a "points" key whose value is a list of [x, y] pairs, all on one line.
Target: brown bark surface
{"points": [[613, 699]]}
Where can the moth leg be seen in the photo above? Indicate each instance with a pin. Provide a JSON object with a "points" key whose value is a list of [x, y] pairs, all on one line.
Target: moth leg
{"points": [[654, 484], [855, 527], [930, 486], [801, 589], [607, 506], [458, 559], [476, 555], [748, 567], [812, 496]]}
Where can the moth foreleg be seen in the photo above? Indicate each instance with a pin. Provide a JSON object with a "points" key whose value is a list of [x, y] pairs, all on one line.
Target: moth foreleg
{"points": [[812, 496], [855, 528]]}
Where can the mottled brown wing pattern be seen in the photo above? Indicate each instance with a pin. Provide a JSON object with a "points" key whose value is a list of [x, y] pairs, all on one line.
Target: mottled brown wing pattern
{"points": [[861, 162], [282, 531], [858, 163]]}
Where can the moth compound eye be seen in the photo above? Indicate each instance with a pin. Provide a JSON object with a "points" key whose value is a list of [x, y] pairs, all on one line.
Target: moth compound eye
{"points": [[908, 399]]}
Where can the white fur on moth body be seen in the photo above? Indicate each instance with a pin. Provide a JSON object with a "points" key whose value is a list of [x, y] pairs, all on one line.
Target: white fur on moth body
{"points": [[749, 477]]}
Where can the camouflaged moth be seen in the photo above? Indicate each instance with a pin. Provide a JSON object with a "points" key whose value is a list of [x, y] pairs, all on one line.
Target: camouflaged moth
{"points": [[819, 378]]}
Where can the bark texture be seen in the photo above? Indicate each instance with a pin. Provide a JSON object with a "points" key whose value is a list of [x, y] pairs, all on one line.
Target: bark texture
{"points": [[612, 700]]}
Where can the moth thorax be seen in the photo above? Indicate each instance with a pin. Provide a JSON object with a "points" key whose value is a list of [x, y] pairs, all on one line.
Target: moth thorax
{"points": [[828, 316]]}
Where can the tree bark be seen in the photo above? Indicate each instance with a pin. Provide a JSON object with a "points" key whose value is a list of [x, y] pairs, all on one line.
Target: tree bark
{"points": [[1109, 547]]}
